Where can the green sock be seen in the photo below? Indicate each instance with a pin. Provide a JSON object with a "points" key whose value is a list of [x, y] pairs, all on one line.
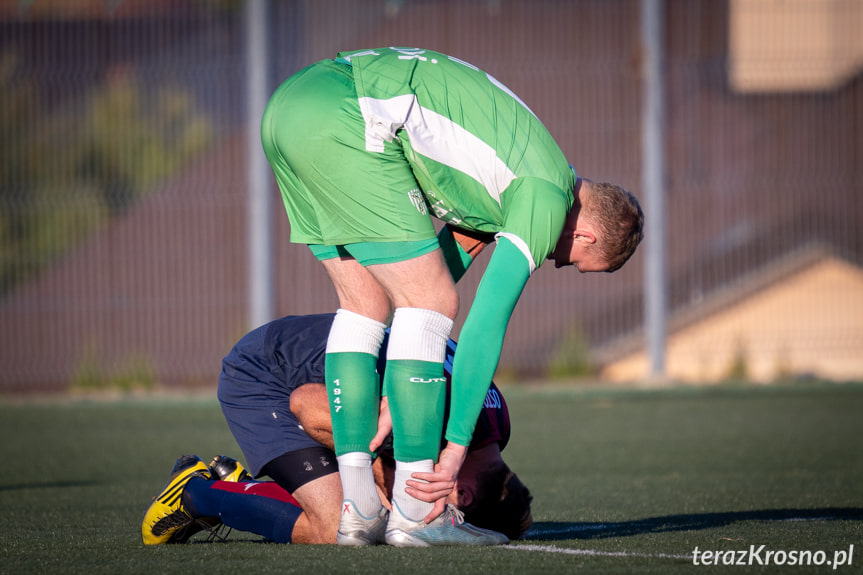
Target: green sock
{"points": [[417, 397], [354, 392]]}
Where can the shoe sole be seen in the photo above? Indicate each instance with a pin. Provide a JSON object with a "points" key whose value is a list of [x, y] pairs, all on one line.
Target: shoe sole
{"points": [[400, 538], [463, 535], [350, 541]]}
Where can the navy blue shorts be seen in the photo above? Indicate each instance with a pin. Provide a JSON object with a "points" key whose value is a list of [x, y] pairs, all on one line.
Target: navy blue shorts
{"points": [[257, 405]]}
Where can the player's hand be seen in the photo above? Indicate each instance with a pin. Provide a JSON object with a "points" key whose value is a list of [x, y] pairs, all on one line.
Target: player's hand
{"points": [[385, 426], [436, 486]]}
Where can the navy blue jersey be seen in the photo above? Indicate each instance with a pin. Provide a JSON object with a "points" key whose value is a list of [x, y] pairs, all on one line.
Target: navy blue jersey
{"points": [[493, 422], [269, 363], [258, 376]]}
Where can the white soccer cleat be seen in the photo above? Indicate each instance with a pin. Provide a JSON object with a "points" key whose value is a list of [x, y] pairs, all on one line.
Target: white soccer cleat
{"points": [[448, 529], [357, 530]]}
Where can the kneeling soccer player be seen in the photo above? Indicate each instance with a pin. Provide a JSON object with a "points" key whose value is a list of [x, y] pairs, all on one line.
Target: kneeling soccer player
{"points": [[279, 416]]}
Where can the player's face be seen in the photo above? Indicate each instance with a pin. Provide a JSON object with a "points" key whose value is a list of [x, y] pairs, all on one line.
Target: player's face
{"points": [[477, 461], [591, 262], [572, 250]]}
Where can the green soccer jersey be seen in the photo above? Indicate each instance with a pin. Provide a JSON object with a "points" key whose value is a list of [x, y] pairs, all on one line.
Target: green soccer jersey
{"points": [[484, 162], [482, 158]]}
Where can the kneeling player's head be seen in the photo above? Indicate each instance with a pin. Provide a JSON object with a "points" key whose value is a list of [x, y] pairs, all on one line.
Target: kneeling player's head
{"points": [[498, 501]]}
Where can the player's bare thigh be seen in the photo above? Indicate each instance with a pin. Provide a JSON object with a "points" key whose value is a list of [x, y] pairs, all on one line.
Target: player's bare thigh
{"points": [[357, 289], [423, 282]]}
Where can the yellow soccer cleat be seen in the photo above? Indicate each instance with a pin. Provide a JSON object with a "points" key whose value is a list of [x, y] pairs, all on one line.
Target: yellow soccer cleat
{"points": [[166, 516], [229, 469]]}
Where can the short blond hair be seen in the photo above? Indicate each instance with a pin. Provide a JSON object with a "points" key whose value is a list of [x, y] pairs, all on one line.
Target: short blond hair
{"points": [[619, 220]]}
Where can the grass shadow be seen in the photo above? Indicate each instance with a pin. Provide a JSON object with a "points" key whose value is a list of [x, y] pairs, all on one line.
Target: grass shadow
{"points": [[556, 531]]}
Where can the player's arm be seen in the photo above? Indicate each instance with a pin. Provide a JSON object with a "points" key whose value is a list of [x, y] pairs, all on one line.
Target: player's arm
{"points": [[538, 210], [460, 248], [535, 211], [482, 337], [310, 405], [474, 365]]}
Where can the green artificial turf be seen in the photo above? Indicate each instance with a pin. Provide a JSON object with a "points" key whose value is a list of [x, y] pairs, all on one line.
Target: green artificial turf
{"points": [[623, 481]]}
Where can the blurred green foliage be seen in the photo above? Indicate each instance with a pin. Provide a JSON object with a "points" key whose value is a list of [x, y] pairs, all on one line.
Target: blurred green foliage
{"points": [[738, 369], [135, 372], [571, 358], [68, 168]]}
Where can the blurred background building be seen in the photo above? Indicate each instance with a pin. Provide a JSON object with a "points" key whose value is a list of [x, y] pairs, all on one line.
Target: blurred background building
{"points": [[124, 184]]}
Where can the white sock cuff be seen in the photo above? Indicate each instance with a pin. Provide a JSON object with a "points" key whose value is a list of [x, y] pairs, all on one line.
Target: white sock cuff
{"points": [[419, 334], [423, 465], [352, 332], [355, 459]]}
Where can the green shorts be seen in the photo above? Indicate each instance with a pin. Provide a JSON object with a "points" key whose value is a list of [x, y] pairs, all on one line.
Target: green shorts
{"points": [[335, 192], [371, 253]]}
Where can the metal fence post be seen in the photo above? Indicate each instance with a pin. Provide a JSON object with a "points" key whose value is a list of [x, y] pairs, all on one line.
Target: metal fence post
{"points": [[653, 167], [260, 229]]}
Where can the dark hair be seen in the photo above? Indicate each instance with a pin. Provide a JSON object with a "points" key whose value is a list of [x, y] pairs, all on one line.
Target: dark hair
{"points": [[620, 220], [501, 504]]}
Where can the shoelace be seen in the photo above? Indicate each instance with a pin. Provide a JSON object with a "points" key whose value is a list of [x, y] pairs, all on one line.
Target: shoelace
{"points": [[178, 518], [218, 532], [453, 514]]}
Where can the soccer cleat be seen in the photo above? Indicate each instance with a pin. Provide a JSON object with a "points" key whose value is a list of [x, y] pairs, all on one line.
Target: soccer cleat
{"points": [[447, 529], [229, 469], [166, 516], [212, 524], [223, 468], [357, 530]]}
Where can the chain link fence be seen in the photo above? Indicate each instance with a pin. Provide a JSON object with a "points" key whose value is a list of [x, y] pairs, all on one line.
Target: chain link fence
{"points": [[123, 200]]}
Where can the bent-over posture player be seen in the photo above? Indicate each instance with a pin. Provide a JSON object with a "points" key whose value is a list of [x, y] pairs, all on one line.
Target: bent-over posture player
{"points": [[367, 148]]}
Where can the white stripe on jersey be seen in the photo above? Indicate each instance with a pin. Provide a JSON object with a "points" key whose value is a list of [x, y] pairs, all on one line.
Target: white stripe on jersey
{"points": [[436, 137], [384, 118], [498, 83]]}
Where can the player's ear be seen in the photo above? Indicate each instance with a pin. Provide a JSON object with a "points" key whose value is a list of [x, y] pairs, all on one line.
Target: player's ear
{"points": [[466, 495], [584, 235]]}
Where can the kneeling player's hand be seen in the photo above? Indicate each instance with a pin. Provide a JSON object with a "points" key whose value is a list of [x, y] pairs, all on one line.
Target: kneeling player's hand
{"points": [[437, 486], [385, 425]]}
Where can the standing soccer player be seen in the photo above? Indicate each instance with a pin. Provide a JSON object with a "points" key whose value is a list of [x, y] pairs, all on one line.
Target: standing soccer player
{"points": [[365, 148]]}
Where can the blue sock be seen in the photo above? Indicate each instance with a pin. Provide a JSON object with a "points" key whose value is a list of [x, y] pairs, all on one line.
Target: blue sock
{"points": [[264, 515]]}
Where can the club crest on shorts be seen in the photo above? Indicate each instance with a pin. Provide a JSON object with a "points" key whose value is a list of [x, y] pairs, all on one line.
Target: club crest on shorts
{"points": [[418, 200]]}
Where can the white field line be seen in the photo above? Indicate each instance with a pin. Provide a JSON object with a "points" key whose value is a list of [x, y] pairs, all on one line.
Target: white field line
{"points": [[594, 553], [600, 527]]}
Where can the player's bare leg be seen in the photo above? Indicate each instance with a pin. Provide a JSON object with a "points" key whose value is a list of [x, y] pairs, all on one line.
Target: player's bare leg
{"points": [[423, 294], [358, 290], [320, 500], [354, 396], [426, 304]]}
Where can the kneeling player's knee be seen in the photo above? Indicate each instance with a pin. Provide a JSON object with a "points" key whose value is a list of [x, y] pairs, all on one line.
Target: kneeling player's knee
{"points": [[322, 518]]}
